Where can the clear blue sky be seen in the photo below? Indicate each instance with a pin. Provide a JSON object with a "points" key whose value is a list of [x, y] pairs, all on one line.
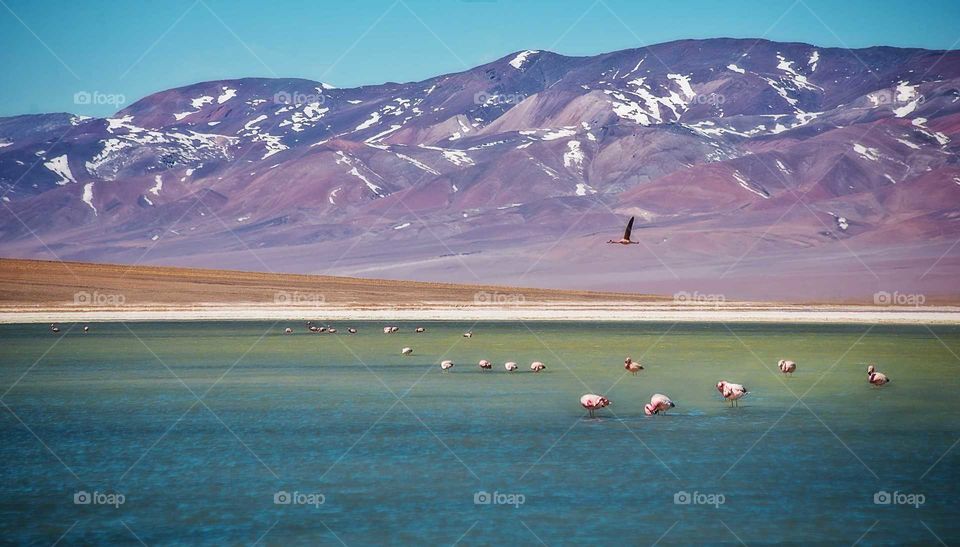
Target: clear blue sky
{"points": [[50, 50]]}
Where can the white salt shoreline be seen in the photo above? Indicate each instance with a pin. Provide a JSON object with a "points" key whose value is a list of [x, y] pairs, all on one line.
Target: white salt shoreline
{"points": [[626, 312]]}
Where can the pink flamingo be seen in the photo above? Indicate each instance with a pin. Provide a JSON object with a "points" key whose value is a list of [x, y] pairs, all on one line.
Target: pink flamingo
{"points": [[352, 330], [537, 366], [876, 378], [86, 329], [593, 402], [658, 404], [485, 365], [625, 240], [288, 330], [510, 366], [631, 366], [446, 365], [406, 351], [468, 335], [787, 367], [420, 329], [732, 392]]}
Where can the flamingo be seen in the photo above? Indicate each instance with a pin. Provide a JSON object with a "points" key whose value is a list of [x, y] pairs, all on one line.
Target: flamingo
{"points": [[787, 367], [288, 330], [593, 402], [446, 365], [468, 335], [625, 240], [633, 367], [485, 365], [731, 392], [352, 330], [876, 378], [537, 366], [387, 330], [314, 328], [658, 403], [54, 327], [406, 351], [420, 329], [322, 330], [510, 366], [86, 329]]}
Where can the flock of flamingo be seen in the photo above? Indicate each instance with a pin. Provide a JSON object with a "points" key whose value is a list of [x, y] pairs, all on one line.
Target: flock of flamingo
{"points": [[659, 403]]}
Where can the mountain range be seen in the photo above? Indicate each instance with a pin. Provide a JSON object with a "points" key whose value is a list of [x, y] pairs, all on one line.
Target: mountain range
{"points": [[754, 169]]}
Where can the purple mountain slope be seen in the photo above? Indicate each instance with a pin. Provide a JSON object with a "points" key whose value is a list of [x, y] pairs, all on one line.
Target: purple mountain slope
{"points": [[755, 170]]}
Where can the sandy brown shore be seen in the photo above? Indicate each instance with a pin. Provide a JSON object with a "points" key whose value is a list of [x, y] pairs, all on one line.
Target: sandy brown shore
{"points": [[41, 291]]}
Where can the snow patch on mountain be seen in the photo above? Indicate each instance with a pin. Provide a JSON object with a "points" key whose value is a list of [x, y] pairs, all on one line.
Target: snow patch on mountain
{"points": [[60, 166], [736, 69], [157, 185], [521, 58], [228, 93], [573, 157], [88, 196], [866, 152]]}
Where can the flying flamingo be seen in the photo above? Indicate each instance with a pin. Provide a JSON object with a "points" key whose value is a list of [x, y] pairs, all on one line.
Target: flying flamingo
{"points": [[625, 240], [406, 351], [510, 366], [485, 365], [787, 367], [537, 366], [446, 365], [593, 402], [731, 392], [633, 367], [876, 378], [658, 403]]}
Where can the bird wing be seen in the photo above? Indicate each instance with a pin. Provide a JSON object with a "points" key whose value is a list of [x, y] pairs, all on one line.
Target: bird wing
{"points": [[626, 233]]}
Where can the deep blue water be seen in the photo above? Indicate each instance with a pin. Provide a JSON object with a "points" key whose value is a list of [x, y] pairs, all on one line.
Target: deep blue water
{"points": [[117, 412]]}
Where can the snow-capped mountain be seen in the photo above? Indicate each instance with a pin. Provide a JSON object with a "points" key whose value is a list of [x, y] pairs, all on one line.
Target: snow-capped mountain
{"points": [[755, 169]]}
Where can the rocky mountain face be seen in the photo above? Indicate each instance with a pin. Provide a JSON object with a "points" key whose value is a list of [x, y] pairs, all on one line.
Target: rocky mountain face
{"points": [[754, 169]]}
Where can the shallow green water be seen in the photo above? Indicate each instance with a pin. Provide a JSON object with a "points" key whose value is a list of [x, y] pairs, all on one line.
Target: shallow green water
{"points": [[313, 413]]}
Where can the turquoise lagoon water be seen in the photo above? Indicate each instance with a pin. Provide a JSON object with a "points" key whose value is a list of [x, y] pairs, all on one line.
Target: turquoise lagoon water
{"points": [[116, 412]]}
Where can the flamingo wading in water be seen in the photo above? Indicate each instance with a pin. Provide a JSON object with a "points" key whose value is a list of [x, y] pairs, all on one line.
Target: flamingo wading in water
{"points": [[485, 365], [625, 240], [732, 392], [510, 366], [659, 404], [593, 402], [446, 365], [787, 367], [633, 367], [537, 366], [876, 378]]}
